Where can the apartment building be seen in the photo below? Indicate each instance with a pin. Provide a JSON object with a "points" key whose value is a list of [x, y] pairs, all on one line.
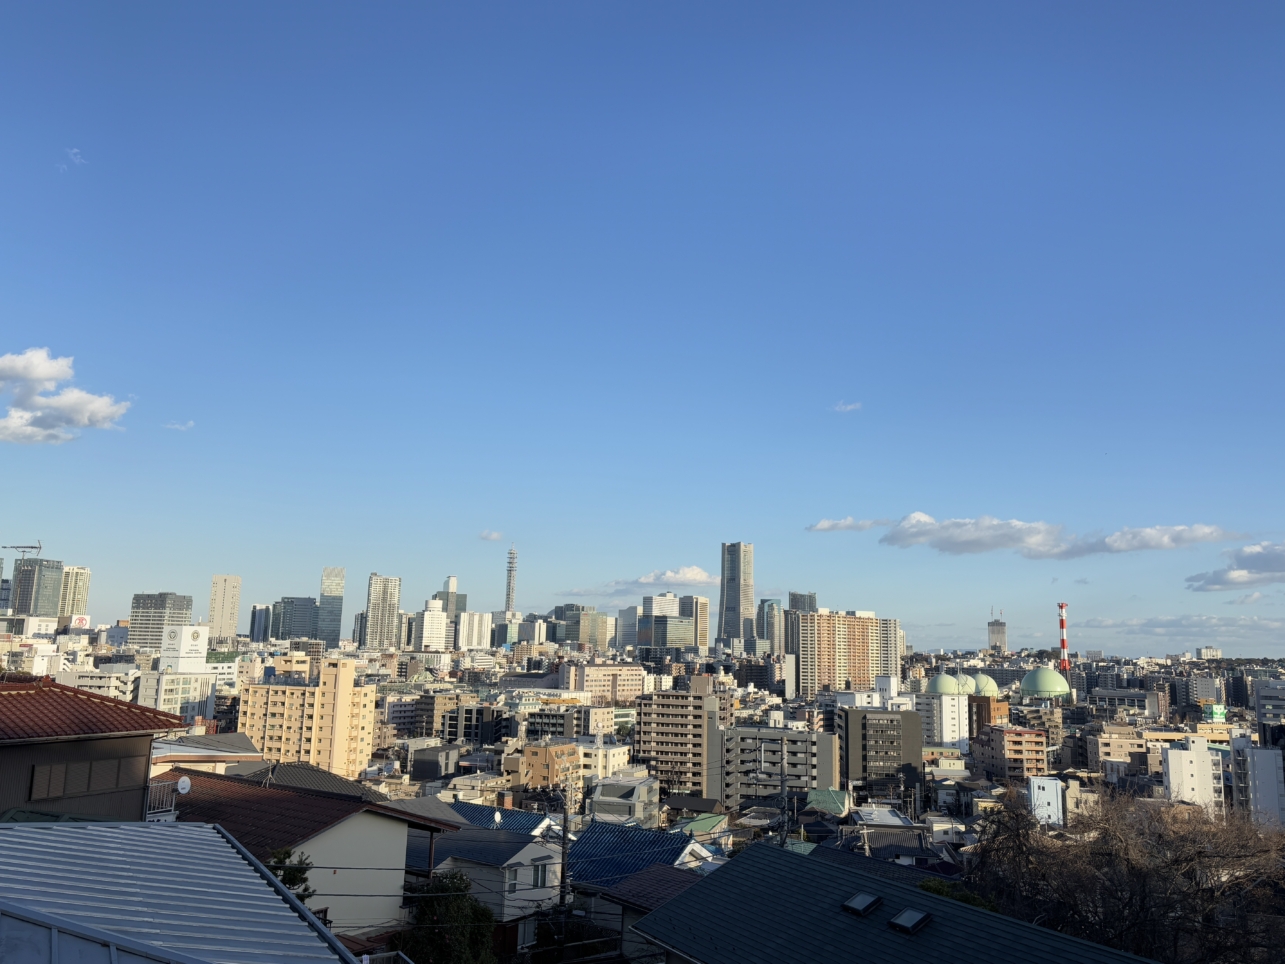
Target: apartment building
{"points": [[569, 721], [985, 711], [432, 708], [879, 749], [328, 720], [676, 736], [752, 763], [550, 763], [1011, 753], [607, 683], [835, 650], [1194, 774]]}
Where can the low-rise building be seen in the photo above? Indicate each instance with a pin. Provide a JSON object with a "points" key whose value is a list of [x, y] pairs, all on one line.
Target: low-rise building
{"points": [[629, 795], [1011, 753]]}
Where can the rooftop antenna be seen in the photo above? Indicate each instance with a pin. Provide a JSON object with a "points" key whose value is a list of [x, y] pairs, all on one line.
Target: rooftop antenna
{"points": [[37, 548]]}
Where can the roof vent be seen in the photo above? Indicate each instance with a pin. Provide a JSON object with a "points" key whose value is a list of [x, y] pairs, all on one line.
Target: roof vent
{"points": [[910, 921], [862, 903]]}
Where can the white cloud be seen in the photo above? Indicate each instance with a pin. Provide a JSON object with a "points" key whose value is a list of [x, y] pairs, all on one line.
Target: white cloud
{"points": [[649, 584], [1034, 540], [180, 426], [1234, 628], [1260, 564], [34, 417], [73, 155], [848, 407], [490, 536], [847, 525], [1246, 600]]}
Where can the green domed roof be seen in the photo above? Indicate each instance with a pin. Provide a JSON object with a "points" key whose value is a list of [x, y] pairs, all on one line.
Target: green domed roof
{"points": [[986, 687], [943, 683], [1044, 682], [966, 684]]}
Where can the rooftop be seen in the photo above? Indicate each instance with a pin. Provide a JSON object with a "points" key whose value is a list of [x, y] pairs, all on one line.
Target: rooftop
{"points": [[181, 889], [516, 821], [649, 888], [604, 854], [39, 709], [302, 776], [493, 848]]}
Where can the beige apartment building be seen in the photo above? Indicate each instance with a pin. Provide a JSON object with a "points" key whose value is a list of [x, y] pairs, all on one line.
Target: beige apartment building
{"points": [[606, 683], [835, 650], [1011, 752], [326, 720], [677, 737]]}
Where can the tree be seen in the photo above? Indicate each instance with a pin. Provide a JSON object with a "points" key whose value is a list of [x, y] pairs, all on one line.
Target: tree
{"points": [[448, 924], [1159, 880], [292, 873]]}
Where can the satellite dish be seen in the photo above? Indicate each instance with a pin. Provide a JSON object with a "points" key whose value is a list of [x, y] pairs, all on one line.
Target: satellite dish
{"points": [[498, 818], [184, 784]]}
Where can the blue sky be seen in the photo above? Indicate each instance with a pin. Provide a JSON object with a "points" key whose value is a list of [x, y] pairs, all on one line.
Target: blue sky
{"points": [[609, 280]]}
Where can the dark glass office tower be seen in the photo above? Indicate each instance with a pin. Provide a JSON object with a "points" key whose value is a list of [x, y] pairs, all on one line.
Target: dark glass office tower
{"points": [[330, 609], [37, 587]]}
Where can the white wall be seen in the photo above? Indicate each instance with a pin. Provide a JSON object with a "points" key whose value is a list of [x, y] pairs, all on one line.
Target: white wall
{"points": [[343, 855]]}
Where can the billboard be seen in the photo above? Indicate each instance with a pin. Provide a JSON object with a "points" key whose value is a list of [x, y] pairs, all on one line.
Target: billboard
{"points": [[183, 648]]}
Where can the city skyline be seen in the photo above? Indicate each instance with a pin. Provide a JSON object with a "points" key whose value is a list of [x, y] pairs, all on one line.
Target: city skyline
{"points": [[1041, 297]]}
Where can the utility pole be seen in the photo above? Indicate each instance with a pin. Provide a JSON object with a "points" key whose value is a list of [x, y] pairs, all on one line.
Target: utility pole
{"points": [[785, 796], [564, 882]]}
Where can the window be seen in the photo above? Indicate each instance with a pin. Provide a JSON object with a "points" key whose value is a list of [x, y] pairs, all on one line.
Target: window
{"points": [[511, 876], [540, 875]]}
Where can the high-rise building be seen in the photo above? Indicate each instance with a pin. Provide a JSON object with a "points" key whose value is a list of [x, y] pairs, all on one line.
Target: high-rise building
{"points": [[892, 647], [260, 622], [666, 604], [751, 764], [736, 592], [73, 600], [453, 601], [225, 606], [328, 721], [835, 650], [6, 591], [677, 737], [997, 636], [359, 629], [37, 587], [294, 617], [803, 602], [472, 630], [383, 611], [627, 627], [1011, 753], [1258, 781], [429, 629], [770, 625], [661, 636], [879, 749], [330, 605], [511, 580], [150, 613], [696, 608]]}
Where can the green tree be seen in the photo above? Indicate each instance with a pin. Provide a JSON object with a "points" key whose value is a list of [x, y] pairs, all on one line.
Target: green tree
{"points": [[448, 924], [292, 872]]}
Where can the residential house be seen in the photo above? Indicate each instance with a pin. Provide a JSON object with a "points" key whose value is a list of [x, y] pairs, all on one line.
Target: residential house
{"points": [[533, 823], [628, 796], [209, 753], [622, 906], [603, 854]]}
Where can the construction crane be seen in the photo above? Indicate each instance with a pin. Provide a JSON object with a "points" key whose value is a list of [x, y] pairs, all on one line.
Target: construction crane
{"points": [[26, 549]]}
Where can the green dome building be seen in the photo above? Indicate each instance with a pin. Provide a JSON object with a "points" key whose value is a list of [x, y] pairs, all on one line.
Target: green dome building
{"points": [[985, 686], [967, 685], [1045, 683], [943, 683]]}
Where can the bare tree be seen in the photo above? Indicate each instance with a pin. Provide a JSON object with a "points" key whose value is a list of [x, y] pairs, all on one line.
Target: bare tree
{"points": [[1158, 880]]}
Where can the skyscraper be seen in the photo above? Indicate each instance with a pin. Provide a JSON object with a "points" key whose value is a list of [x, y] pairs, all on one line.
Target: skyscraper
{"points": [[997, 636], [151, 612], [383, 611], [6, 589], [770, 625], [832, 649], [736, 592], [697, 608], [330, 607], [225, 606], [627, 627], [666, 604], [511, 582], [892, 648], [803, 602], [37, 587], [260, 622], [74, 598], [452, 601], [294, 617]]}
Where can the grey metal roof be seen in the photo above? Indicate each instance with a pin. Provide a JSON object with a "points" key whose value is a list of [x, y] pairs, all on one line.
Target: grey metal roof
{"points": [[515, 821], [872, 865], [30, 937], [225, 742], [430, 807], [302, 776], [183, 888], [772, 905], [494, 848]]}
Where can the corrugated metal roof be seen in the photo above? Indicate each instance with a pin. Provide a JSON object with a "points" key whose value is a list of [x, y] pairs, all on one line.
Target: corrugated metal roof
{"points": [[494, 848], [181, 887], [515, 821], [604, 854]]}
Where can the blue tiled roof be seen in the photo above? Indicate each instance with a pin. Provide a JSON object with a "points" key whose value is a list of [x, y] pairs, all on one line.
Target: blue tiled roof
{"points": [[514, 821], [604, 854], [494, 848]]}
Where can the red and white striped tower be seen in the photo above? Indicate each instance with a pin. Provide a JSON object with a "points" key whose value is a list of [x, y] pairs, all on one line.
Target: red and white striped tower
{"points": [[1065, 665]]}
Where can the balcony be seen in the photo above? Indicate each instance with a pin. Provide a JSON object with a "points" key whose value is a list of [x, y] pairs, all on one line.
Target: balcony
{"points": [[162, 800]]}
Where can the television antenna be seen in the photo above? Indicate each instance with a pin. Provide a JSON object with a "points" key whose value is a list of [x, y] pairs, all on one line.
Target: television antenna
{"points": [[37, 548]]}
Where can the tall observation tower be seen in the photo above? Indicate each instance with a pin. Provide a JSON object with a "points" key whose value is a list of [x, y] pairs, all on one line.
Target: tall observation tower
{"points": [[511, 583]]}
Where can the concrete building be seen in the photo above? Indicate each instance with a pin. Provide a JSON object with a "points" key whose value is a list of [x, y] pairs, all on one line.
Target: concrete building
{"points": [[676, 736], [432, 709], [550, 763], [666, 604], [36, 587], [627, 627], [225, 606], [834, 650], [1011, 753], [73, 600], [696, 608], [330, 605], [184, 649], [1046, 798], [736, 592], [472, 631], [328, 721], [985, 711], [803, 602], [452, 600], [607, 683], [150, 613], [1269, 710], [892, 647], [997, 636], [383, 612], [629, 795], [1193, 774], [769, 625], [189, 695], [260, 622], [122, 684], [568, 721], [879, 750], [751, 763], [599, 759], [1257, 780], [430, 630]]}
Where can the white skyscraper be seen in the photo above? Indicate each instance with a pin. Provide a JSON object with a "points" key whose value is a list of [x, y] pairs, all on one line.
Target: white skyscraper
{"points": [[74, 598], [431, 631], [892, 647], [225, 606], [383, 611], [666, 604], [472, 630]]}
